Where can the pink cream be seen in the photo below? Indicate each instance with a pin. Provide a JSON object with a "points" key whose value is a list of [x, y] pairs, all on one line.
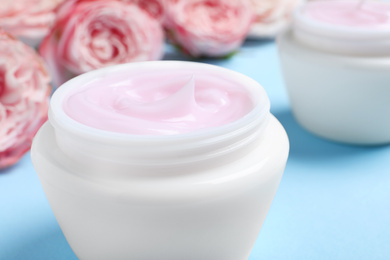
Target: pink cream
{"points": [[366, 14], [162, 103]]}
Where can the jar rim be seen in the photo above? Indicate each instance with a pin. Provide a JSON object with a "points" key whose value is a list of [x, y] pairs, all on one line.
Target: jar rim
{"points": [[340, 39], [59, 119], [338, 31]]}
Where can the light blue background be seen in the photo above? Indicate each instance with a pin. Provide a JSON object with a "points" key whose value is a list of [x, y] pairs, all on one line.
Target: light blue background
{"points": [[333, 201]]}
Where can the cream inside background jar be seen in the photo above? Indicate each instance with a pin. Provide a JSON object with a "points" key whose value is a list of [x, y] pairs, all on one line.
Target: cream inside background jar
{"points": [[202, 194], [336, 61]]}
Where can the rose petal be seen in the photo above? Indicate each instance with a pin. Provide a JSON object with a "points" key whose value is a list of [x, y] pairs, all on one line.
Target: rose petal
{"points": [[93, 34], [208, 27], [24, 94]]}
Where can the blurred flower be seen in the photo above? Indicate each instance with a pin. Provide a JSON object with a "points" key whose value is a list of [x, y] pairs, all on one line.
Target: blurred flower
{"points": [[93, 34], [24, 96], [272, 16], [213, 28], [28, 20], [155, 8]]}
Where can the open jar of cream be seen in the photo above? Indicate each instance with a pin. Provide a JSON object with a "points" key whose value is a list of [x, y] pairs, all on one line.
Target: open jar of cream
{"points": [[336, 64], [160, 160]]}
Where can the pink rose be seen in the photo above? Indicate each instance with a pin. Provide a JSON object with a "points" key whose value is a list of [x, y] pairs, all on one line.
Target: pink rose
{"points": [[155, 8], [29, 20], [272, 16], [213, 28], [24, 96], [93, 34]]}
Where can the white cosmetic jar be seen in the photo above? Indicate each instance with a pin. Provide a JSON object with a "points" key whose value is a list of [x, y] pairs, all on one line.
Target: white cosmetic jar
{"points": [[338, 80], [201, 195]]}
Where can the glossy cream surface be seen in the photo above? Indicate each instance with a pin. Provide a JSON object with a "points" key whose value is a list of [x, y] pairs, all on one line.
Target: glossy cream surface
{"points": [[369, 14], [158, 103]]}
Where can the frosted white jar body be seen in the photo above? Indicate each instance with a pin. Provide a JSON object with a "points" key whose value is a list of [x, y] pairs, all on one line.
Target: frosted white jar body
{"points": [[344, 98], [194, 207], [211, 215]]}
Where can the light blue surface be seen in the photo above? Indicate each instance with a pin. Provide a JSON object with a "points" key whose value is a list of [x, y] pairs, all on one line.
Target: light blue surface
{"points": [[333, 201]]}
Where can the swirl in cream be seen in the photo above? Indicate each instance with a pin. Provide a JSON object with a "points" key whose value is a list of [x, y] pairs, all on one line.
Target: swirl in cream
{"points": [[162, 103]]}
